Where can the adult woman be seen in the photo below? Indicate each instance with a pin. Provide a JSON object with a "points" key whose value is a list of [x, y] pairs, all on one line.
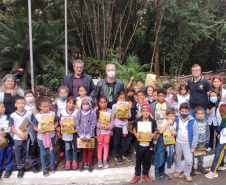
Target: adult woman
{"points": [[9, 91]]}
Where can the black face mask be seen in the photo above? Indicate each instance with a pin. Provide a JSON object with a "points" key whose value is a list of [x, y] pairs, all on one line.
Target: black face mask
{"points": [[131, 97]]}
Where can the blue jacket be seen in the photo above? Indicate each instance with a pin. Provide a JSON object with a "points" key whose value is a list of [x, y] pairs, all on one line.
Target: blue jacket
{"points": [[192, 131], [161, 154]]}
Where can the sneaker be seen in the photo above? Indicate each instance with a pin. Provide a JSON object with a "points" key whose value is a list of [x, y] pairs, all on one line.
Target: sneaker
{"points": [[90, 168], [188, 179], [221, 168], [106, 165], [201, 169], [193, 172], [74, 165], [61, 156], [7, 173], [45, 172], [147, 178], [208, 149], [35, 169], [157, 175], [119, 160], [211, 175], [128, 158], [177, 174], [68, 165], [20, 173], [135, 179], [100, 165], [83, 167], [164, 176], [52, 168]]}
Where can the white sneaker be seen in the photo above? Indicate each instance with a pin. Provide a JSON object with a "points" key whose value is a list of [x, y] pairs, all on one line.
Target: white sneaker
{"points": [[211, 175], [221, 168], [208, 149]]}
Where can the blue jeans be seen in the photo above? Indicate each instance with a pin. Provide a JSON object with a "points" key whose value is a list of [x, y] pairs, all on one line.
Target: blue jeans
{"points": [[43, 152], [192, 113], [7, 153], [68, 147]]}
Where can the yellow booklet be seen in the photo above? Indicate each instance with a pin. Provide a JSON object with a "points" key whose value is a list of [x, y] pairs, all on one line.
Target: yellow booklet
{"points": [[199, 152], [67, 126], [46, 122], [104, 118], [150, 80], [122, 109], [25, 124], [81, 144], [144, 128], [169, 139]]}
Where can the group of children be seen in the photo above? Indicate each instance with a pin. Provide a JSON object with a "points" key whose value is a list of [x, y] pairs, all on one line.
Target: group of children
{"points": [[159, 107]]}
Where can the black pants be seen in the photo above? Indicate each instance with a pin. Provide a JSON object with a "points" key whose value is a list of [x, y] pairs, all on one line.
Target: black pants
{"points": [[61, 145], [119, 140], [212, 134], [143, 157]]}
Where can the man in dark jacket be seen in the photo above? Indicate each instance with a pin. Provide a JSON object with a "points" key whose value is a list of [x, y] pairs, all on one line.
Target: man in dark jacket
{"points": [[74, 80], [109, 87]]}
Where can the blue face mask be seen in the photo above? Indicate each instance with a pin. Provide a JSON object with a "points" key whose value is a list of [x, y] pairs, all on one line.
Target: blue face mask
{"points": [[213, 99], [184, 116]]}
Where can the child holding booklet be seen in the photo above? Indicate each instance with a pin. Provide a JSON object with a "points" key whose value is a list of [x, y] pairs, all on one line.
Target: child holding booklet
{"points": [[46, 140], [21, 136], [85, 122], [144, 149], [120, 134], [164, 151], [104, 132], [68, 137]]}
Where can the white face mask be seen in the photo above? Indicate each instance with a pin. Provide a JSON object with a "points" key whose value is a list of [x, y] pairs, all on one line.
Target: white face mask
{"points": [[111, 74], [29, 99]]}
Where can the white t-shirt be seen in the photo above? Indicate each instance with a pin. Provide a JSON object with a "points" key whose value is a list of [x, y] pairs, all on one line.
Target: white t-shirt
{"points": [[182, 135], [68, 137], [31, 108], [16, 119]]}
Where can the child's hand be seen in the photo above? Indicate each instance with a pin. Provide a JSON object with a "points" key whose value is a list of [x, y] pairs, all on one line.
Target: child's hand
{"points": [[104, 127], [192, 150], [138, 136], [83, 139], [172, 132], [114, 112], [2, 133], [132, 78], [39, 131], [170, 122], [23, 137], [26, 133], [151, 135]]}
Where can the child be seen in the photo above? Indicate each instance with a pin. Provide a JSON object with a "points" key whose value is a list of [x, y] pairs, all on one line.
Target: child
{"points": [[104, 133], [186, 141], [182, 97], [85, 122], [6, 153], [203, 139], [82, 93], [140, 85], [68, 138], [149, 92], [214, 120], [165, 153], [217, 86], [141, 96], [218, 162], [144, 149], [120, 134], [30, 101], [169, 95], [159, 107], [60, 105], [46, 140], [155, 95], [20, 137], [136, 88]]}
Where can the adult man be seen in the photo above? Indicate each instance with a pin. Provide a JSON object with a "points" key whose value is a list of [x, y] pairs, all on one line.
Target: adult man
{"points": [[74, 80], [109, 87], [199, 90]]}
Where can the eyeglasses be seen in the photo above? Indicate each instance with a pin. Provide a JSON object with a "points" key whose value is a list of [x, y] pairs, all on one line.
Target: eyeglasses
{"points": [[196, 70]]}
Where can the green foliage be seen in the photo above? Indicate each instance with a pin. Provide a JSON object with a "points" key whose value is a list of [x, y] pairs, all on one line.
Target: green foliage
{"points": [[132, 67], [53, 76]]}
